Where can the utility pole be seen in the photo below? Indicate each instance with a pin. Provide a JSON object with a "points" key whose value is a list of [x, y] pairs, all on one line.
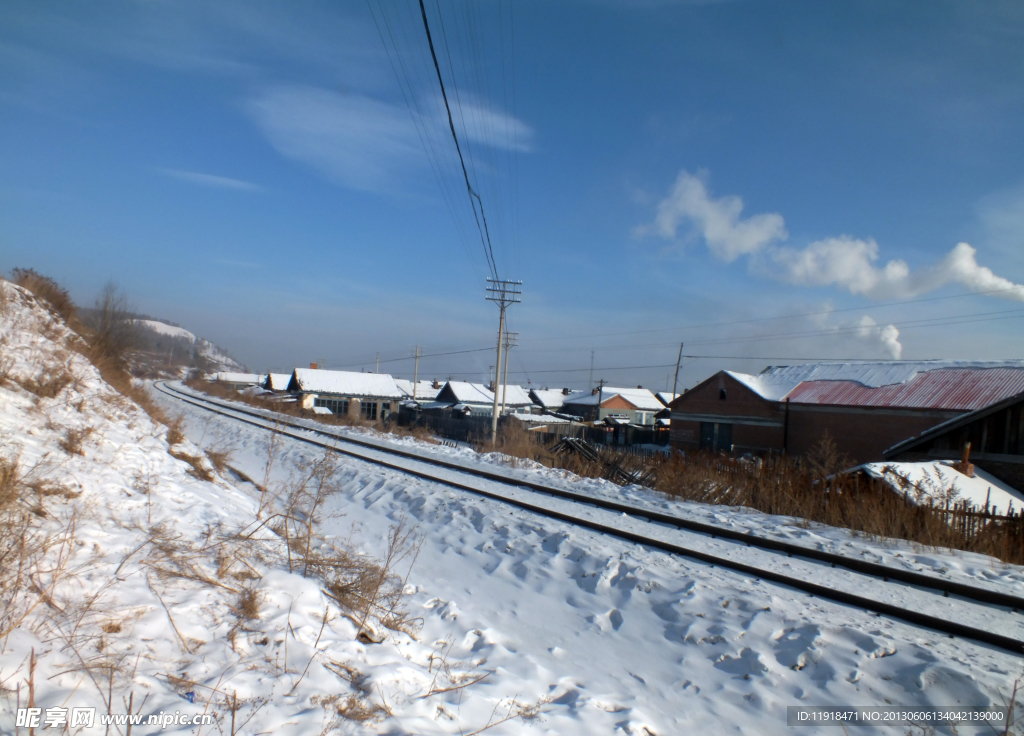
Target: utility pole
{"points": [[377, 369], [510, 342], [416, 373], [675, 381], [503, 293], [600, 398]]}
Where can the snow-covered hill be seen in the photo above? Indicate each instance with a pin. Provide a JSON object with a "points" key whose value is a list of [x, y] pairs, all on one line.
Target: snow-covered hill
{"points": [[169, 351]]}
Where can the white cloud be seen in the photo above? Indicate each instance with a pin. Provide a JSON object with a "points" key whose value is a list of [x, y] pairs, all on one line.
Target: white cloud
{"points": [[211, 180], [355, 140], [490, 127], [843, 261], [727, 234]]}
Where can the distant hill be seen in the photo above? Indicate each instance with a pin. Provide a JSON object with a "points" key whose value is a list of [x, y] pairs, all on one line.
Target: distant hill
{"points": [[164, 349]]}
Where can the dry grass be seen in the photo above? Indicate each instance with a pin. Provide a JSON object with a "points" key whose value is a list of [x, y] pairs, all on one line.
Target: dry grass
{"points": [[197, 469], [219, 459], [73, 439], [248, 604], [49, 383], [349, 708], [174, 430]]}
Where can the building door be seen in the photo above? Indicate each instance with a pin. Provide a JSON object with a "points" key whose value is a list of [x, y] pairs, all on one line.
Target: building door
{"points": [[715, 437]]}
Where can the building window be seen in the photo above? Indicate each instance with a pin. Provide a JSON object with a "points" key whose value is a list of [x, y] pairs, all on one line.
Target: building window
{"points": [[337, 406], [368, 410], [721, 394]]}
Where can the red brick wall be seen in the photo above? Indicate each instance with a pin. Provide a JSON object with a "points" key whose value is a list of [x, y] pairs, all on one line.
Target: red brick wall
{"points": [[740, 401], [860, 433]]}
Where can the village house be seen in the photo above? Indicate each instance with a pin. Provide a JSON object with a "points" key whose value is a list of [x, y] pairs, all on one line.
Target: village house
{"points": [[549, 399], [237, 381], [368, 396], [476, 399], [864, 407], [629, 405]]}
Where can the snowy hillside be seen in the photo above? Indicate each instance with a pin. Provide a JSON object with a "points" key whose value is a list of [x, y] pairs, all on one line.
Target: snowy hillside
{"points": [[169, 351], [150, 577]]}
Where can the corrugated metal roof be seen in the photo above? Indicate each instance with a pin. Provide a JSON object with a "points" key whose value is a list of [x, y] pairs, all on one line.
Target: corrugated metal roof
{"points": [[955, 389]]}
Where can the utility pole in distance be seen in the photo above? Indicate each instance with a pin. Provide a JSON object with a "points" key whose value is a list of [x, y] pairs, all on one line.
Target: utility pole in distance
{"points": [[675, 380], [416, 373], [503, 293], [510, 342]]}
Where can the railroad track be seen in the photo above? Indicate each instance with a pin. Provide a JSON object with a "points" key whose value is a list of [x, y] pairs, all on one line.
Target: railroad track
{"points": [[466, 478]]}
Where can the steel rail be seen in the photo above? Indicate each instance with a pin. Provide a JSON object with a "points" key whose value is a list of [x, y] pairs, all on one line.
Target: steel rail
{"points": [[951, 628]]}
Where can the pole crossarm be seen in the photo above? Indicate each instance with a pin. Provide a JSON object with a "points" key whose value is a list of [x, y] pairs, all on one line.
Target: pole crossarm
{"points": [[503, 292]]}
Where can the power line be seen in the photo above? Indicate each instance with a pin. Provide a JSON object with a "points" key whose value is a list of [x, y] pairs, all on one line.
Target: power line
{"points": [[485, 236]]}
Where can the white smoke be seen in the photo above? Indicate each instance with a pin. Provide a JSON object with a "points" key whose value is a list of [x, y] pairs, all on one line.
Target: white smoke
{"points": [[844, 262], [887, 335]]}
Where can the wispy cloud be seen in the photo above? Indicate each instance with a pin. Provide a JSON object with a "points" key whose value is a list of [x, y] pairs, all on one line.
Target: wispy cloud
{"points": [[355, 140], [210, 180]]}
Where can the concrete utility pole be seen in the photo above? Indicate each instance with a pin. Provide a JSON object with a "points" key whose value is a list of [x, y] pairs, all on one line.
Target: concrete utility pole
{"points": [[377, 369], [600, 398], [416, 373], [510, 342], [675, 380], [503, 293]]}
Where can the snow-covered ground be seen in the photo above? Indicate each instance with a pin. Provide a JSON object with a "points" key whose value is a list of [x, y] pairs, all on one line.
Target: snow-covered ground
{"points": [[140, 594], [617, 638]]}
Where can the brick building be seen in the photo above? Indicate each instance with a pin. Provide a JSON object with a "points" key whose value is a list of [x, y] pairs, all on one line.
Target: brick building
{"points": [[865, 407], [996, 435]]}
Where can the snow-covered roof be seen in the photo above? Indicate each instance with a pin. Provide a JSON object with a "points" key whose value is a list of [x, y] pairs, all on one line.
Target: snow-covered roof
{"points": [[937, 478], [165, 329], [321, 410], [775, 383], [539, 419], [226, 377], [345, 383], [278, 381], [643, 399], [666, 397], [549, 398], [477, 394], [425, 390]]}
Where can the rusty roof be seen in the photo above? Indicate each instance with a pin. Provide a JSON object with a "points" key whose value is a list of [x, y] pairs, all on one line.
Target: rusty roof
{"points": [[956, 389]]}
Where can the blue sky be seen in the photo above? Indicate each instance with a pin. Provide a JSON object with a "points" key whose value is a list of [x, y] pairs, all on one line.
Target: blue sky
{"points": [[764, 181]]}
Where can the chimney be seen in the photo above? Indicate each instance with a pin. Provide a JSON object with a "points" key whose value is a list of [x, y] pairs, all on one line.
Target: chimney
{"points": [[312, 366], [436, 384], [565, 392], [965, 466], [639, 386]]}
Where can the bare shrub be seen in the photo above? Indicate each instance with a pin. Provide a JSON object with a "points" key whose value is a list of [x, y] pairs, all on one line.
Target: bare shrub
{"points": [[47, 290], [219, 458], [174, 430], [72, 441], [247, 604], [197, 469], [348, 708], [113, 330], [49, 383]]}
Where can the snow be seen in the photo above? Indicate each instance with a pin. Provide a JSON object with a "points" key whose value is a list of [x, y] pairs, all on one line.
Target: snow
{"points": [[549, 398], [425, 390], [539, 418], [164, 329], [667, 397], [346, 383], [938, 481], [228, 377], [774, 382], [278, 381], [600, 635], [477, 394], [616, 638], [641, 398]]}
